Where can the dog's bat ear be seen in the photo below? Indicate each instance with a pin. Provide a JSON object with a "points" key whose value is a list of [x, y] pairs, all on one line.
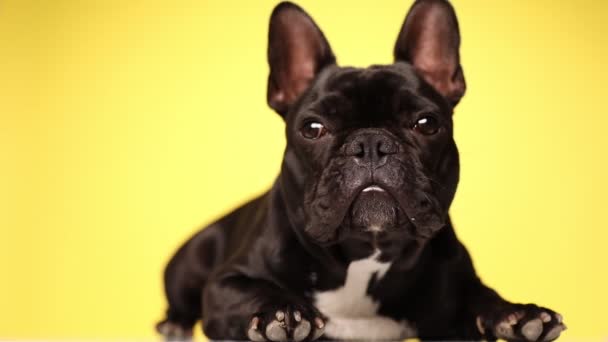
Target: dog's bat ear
{"points": [[430, 40], [297, 52]]}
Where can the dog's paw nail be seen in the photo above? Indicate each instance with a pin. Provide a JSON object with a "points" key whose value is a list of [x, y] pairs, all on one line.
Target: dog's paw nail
{"points": [[319, 330], [532, 329], [545, 317], [554, 332], [301, 331], [319, 323], [253, 333], [480, 325], [275, 331], [173, 331], [559, 317], [280, 316], [297, 316], [163, 328], [512, 319], [504, 330], [254, 323]]}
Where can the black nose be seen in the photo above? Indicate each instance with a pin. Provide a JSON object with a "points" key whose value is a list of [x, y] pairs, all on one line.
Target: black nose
{"points": [[371, 149]]}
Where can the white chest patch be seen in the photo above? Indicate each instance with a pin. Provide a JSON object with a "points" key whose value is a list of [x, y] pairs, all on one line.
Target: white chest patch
{"points": [[352, 314]]}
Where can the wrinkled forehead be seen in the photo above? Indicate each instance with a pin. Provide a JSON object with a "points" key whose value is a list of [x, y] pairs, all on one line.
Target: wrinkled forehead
{"points": [[376, 92], [399, 75]]}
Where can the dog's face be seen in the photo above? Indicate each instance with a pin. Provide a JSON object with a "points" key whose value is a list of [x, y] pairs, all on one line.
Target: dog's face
{"points": [[370, 153]]}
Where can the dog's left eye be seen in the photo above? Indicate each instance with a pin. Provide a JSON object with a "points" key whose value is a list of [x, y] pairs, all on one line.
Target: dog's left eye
{"points": [[313, 130], [427, 125]]}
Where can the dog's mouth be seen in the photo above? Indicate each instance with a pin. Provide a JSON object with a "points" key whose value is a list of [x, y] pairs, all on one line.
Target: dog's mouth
{"points": [[376, 209], [368, 208]]}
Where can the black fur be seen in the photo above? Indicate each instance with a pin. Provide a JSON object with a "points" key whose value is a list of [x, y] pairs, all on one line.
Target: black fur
{"points": [[314, 220]]}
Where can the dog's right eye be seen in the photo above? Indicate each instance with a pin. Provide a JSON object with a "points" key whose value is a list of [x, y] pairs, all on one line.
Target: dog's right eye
{"points": [[313, 130]]}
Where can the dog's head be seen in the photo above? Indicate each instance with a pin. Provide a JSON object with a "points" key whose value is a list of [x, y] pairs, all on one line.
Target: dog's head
{"points": [[369, 151]]}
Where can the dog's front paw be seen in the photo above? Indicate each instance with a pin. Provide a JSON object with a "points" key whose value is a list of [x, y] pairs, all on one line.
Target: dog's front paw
{"points": [[519, 322], [286, 324]]}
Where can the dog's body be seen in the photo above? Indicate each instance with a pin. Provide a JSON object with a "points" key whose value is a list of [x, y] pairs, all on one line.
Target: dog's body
{"points": [[353, 241]]}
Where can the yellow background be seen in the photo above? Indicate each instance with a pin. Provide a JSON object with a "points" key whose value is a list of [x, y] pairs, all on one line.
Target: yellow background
{"points": [[127, 125]]}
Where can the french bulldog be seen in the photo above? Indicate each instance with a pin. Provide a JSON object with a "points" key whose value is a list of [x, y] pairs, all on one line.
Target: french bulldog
{"points": [[353, 241]]}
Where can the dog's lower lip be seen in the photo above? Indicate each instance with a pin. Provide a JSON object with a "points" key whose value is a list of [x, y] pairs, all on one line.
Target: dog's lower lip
{"points": [[373, 188]]}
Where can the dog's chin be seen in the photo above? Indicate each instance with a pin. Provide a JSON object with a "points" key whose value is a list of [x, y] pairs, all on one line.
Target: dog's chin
{"points": [[375, 209]]}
